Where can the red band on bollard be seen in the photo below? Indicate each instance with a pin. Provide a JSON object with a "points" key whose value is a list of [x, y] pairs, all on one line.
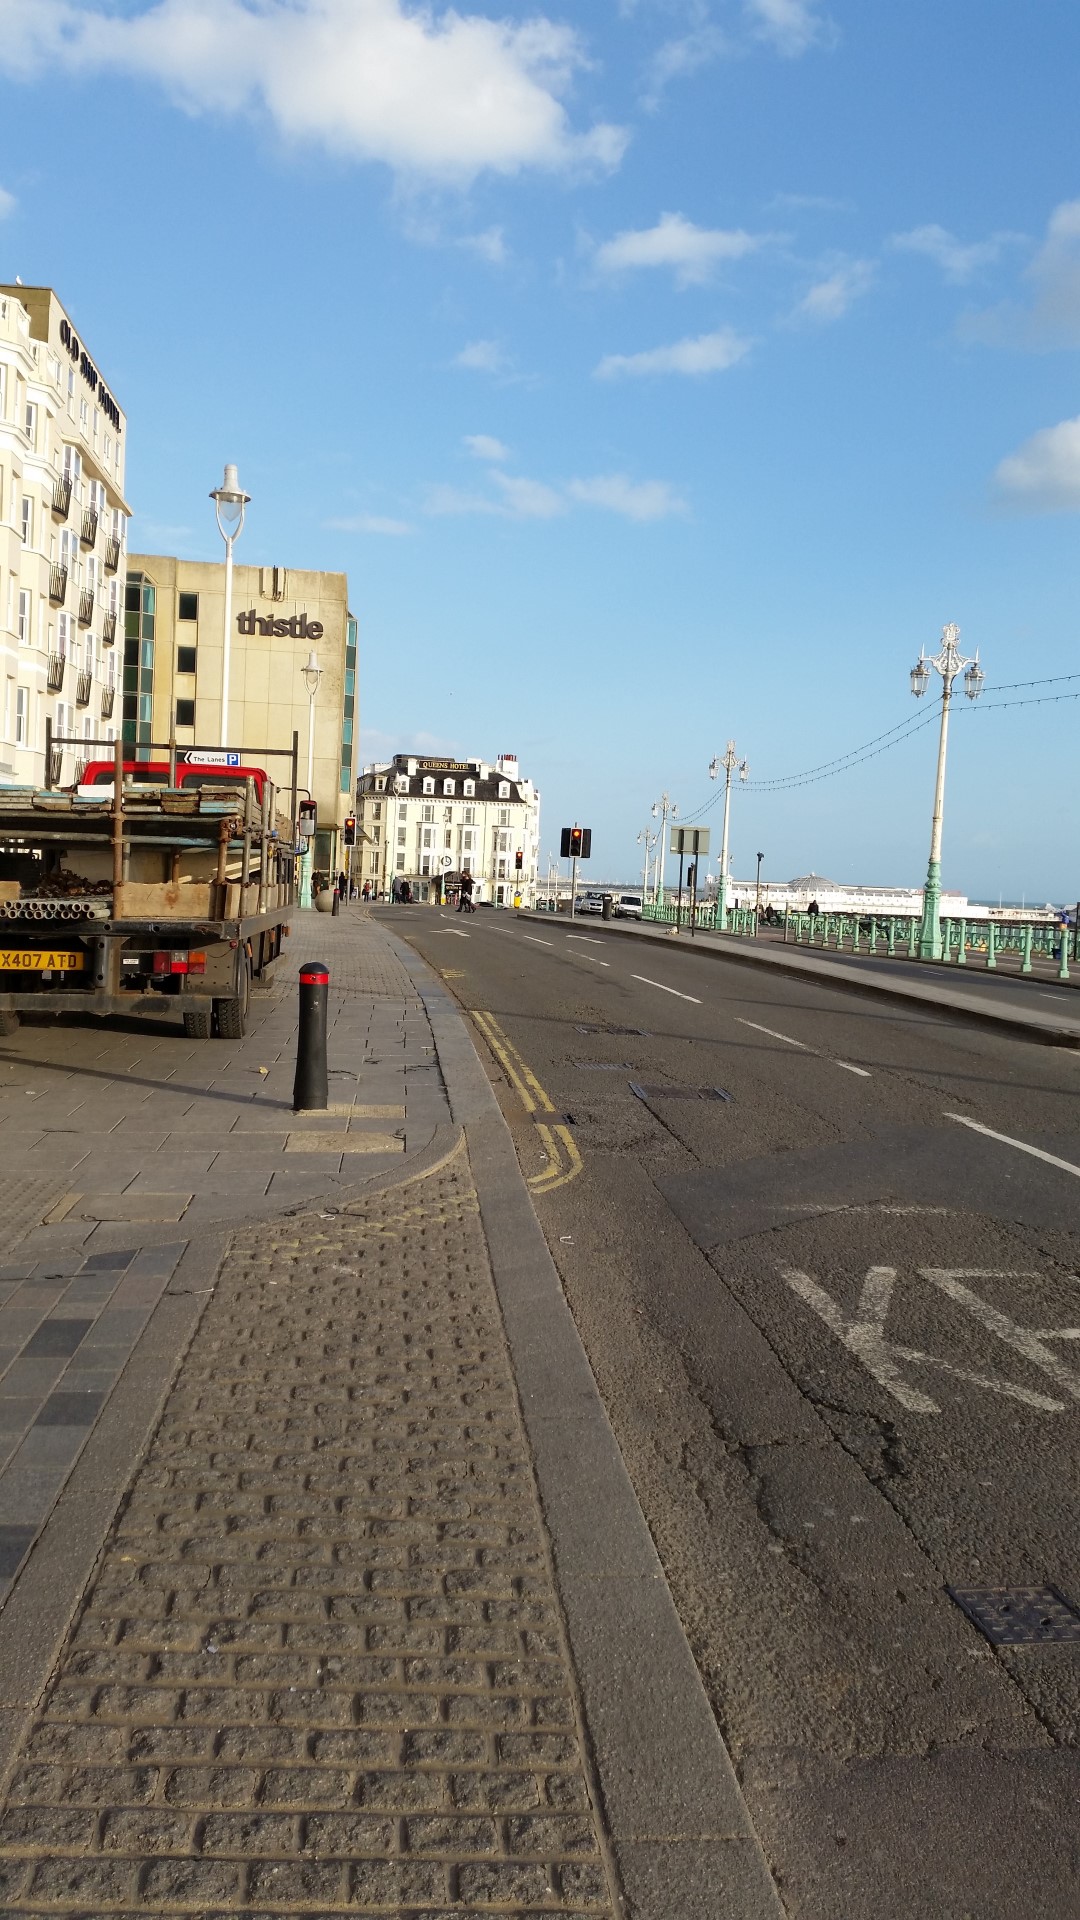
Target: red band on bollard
{"points": [[320, 979]]}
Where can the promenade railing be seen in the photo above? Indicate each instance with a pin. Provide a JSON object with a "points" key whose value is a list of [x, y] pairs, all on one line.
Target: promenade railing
{"points": [[964, 941]]}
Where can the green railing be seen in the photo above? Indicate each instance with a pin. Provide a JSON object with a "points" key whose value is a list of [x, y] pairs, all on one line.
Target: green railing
{"points": [[893, 935]]}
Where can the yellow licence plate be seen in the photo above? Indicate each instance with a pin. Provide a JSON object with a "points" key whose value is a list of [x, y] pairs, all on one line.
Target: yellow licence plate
{"points": [[37, 960]]}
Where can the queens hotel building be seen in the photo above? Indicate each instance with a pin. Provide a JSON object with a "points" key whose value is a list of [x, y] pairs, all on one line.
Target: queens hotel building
{"points": [[429, 821], [63, 534], [174, 626]]}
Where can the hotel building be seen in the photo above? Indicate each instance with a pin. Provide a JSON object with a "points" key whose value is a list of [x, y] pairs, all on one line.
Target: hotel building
{"points": [[429, 821], [173, 645], [63, 536]]}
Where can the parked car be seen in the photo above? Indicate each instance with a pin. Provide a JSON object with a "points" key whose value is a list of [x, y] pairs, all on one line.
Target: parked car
{"points": [[628, 906], [589, 903]]}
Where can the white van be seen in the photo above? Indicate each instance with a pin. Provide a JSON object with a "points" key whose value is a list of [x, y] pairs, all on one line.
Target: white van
{"points": [[627, 906]]}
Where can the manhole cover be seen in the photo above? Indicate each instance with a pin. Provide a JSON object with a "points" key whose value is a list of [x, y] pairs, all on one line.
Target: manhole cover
{"points": [[639, 1033], [553, 1120], [677, 1093], [602, 1066], [1018, 1616]]}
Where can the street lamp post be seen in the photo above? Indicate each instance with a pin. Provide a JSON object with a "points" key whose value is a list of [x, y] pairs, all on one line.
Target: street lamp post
{"points": [[648, 840], [312, 675], [229, 502], [663, 810], [757, 899], [949, 661], [730, 764]]}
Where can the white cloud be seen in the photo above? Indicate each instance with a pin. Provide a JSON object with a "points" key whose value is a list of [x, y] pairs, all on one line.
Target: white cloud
{"points": [[441, 500], [791, 26], [678, 59], [957, 261], [676, 242], [432, 93], [1043, 476], [8, 203], [830, 299], [636, 499], [528, 499], [1055, 274], [482, 356], [370, 523], [708, 353], [489, 245], [485, 447]]}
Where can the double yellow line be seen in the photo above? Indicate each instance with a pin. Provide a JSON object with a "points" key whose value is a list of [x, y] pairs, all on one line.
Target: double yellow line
{"points": [[564, 1160]]}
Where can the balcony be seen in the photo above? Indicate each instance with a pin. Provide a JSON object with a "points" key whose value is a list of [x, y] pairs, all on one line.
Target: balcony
{"points": [[58, 579], [88, 535], [108, 629], [80, 770], [112, 553], [61, 497], [56, 766], [82, 687], [57, 663], [86, 606], [108, 701]]}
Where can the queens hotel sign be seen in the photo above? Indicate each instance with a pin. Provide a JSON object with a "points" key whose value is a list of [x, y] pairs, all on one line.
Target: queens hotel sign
{"points": [[298, 628]]}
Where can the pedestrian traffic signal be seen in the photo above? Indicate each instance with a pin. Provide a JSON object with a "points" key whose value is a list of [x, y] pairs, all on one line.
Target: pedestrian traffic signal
{"points": [[349, 835], [519, 860]]}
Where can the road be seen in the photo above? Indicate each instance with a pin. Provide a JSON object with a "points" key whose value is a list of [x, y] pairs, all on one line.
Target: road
{"points": [[823, 1254]]}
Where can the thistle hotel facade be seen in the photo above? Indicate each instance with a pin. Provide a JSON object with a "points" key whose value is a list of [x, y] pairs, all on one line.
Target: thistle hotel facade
{"points": [[429, 821], [63, 538], [173, 657]]}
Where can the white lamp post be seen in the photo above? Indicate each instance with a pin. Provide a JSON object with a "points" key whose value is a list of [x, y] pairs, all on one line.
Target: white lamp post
{"points": [[312, 675], [729, 763], [647, 840], [229, 502], [948, 662], [663, 810]]}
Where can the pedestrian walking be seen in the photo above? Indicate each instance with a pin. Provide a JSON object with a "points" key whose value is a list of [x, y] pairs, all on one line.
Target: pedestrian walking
{"points": [[465, 904], [366, 895], [395, 890]]}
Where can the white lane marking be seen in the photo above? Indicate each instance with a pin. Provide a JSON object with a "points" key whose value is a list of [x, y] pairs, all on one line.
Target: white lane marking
{"points": [[593, 958], [536, 942], [1020, 1145], [863, 1072], [589, 941], [663, 989], [864, 1336], [773, 1035], [457, 933]]}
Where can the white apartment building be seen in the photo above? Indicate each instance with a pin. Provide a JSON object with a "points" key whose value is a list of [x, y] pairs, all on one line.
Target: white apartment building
{"points": [[428, 821], [63, 541]]}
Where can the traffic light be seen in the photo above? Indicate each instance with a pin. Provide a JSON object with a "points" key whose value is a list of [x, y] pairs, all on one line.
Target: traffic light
{"points": [[519, 860], [576, 843], [349, 835]]}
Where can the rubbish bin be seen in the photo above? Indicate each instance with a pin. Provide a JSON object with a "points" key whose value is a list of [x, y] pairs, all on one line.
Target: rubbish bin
{"points": [[608, 905]]}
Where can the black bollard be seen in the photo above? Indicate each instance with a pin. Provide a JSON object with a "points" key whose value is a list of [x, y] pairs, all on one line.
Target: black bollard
{"points": [[336, 908], [310, 1087]]}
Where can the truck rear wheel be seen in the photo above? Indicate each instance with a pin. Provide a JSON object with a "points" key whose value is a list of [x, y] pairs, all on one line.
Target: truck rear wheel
{"points": [[232, 1014], [197, 1023]]}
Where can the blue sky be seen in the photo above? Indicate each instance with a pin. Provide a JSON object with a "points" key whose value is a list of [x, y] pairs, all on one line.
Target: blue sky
{"points": [[660, 373]]}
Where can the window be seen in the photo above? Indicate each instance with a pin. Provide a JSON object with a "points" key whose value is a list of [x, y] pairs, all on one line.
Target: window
{"points": [[504, 789], [373, 863], [504, 843], [469, 789], [380, 786], [448, 839], [504, 816], [469, 816], [429, 785], [27, 521], [375, 835], [427, 814], [428, 837], [188, 606], [3, 392], [22, 701], [401, 863], [401, 836], [448, 786], [376, 809], [185, 659], [185, 713], [30, 422], [425, 864], [24, 617], [402, 810]]}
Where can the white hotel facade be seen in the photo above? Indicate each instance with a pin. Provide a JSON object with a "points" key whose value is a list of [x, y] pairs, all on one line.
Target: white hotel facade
{"points": [[428, 821], [63, 541]]}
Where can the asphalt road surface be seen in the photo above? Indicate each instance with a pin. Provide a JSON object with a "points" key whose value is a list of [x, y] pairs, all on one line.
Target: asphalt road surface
{"points": [[823, 1253]]}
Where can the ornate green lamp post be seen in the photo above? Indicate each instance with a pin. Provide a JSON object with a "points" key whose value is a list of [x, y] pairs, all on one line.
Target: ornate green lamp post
{"points": [[948, 662], [730, 764]]}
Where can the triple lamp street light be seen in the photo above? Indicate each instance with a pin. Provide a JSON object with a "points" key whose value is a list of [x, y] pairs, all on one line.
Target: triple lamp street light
{"points": [[949, 661], [731, 764], [663, 810], [229, 500], [312, 675]]}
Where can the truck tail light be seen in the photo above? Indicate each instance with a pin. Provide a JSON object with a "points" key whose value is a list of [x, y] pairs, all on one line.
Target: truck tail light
{"points": [[196, 963], [176, 961]]}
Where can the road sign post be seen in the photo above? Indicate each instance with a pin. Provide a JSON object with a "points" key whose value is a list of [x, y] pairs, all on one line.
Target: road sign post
{"points": [[693, 841]]}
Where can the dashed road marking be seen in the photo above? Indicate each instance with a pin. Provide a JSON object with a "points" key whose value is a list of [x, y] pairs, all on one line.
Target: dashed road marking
{"points": [[863, 1072], [773, 1035], [659, 983], [536, 942], [1037, 1153], [586, 937], [593, 958]]}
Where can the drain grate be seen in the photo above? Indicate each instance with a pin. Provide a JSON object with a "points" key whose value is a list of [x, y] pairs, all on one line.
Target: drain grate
{"points": [[602, 1066], [638, 1033], [1018, 1616], [677, 1093]]}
